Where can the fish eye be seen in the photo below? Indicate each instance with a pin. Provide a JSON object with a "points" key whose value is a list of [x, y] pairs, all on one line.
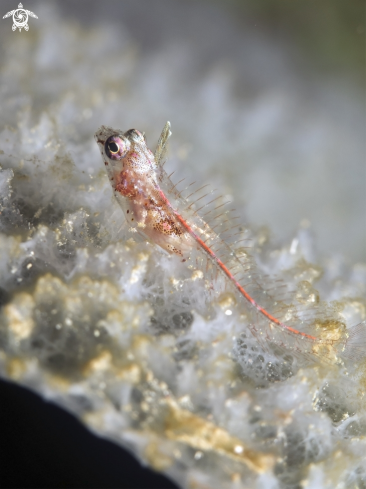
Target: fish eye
{"points": [[116, 147], [113, 147]]}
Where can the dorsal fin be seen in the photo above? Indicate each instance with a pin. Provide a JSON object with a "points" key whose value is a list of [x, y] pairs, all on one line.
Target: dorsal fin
{"points": [[162, 146]]}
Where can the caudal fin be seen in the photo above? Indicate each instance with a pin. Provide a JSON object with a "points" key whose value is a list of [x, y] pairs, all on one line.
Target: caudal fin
{"points": [[355, 346]]}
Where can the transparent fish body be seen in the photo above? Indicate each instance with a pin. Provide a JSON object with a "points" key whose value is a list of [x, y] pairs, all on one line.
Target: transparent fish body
{"points": [[197, 229]]}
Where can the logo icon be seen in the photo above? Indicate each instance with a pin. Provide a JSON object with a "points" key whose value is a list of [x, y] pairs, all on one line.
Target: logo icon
{"points": [[20, 17]]}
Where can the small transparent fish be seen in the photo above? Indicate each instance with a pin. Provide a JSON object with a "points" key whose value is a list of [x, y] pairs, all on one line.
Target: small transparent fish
{"points": [[197, 229]]}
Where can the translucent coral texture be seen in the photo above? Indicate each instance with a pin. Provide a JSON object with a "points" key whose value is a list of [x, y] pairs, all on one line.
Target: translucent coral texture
{"points": [[129, 339]]}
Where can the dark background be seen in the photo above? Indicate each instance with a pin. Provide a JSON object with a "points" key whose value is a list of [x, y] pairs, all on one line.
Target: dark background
{"points": [[43, 446]]}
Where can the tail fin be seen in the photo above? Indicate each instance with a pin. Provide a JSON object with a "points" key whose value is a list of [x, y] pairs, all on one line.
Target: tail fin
{"points": [[355, 346]]}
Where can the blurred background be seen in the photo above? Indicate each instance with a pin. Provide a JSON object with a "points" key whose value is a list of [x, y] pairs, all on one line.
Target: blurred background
{"points": [[266, 101]]}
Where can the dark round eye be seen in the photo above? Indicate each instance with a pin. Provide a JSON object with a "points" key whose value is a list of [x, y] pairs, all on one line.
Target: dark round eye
{"points": [[113, 147], [116, 147]]}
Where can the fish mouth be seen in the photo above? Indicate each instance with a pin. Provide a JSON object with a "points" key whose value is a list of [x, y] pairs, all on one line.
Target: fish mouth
{"points": [[104, 132], [100, 135]]}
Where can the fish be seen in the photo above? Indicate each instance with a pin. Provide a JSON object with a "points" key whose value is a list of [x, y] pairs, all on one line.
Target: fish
{"points": [[196, 229]]}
